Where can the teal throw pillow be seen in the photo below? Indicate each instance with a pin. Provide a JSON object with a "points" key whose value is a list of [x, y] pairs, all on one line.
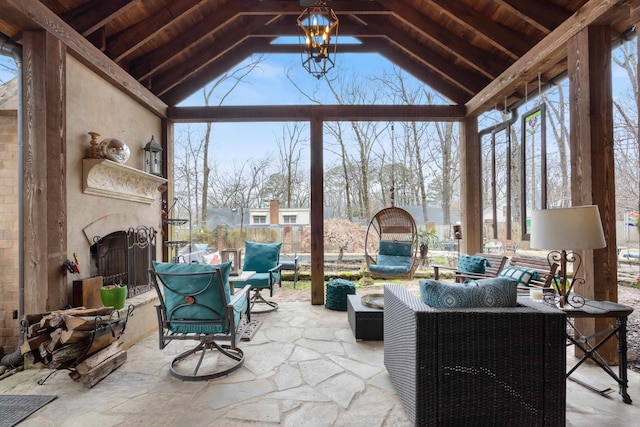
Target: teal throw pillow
{"points": [[473, 264], [493, 292], [261, 257], [521, 275]]}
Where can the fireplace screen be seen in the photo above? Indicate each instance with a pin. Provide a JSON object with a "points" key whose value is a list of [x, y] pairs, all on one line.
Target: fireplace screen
{"points": [[123, 257]]}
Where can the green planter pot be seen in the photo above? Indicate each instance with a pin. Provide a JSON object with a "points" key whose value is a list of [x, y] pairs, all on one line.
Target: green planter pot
{"points": [[114, 297]]}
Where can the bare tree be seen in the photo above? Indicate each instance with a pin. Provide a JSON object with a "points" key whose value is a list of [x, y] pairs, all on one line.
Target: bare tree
{"points": [[219, 90], [290, 147]]}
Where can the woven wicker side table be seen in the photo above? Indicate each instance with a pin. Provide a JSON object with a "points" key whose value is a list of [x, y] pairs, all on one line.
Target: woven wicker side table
{"points": [[366, 322], [337, 292]]}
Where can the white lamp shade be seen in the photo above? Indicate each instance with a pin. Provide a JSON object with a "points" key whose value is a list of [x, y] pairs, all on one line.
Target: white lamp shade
{"points": [[578, 227]]}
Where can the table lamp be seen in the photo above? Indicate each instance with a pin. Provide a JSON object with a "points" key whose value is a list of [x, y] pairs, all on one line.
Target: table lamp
{"points": [[563, 229]]}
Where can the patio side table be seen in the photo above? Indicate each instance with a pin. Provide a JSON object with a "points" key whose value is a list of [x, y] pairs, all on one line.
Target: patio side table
{"points": [[366, 322], [598, 309]]}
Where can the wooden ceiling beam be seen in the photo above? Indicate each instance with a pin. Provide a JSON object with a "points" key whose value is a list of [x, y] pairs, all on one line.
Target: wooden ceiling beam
{"points": [[173, 76], [126, 41], [540, 14], [33, 14], [215, 69], [150, 63], [507, 40], [90, 16], [475, 58], [279, 113], [548, 52]]}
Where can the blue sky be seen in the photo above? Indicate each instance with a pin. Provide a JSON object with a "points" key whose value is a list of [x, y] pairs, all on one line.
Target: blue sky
{"points": [[268, 85]]}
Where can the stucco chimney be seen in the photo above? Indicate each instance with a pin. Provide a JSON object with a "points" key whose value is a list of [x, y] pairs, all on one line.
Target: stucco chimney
{"points": [[274, 212]]}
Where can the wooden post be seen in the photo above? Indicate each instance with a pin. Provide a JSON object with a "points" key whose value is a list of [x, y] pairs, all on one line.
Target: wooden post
{"points": [[592, 164], [317, 212], [44, 143], [470, 186]]}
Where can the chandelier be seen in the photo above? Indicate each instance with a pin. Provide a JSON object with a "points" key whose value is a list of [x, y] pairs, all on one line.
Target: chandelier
{"points": [[318, 23]]}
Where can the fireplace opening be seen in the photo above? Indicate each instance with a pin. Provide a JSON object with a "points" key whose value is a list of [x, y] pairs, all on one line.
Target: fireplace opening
{"points": [[124, 257]]}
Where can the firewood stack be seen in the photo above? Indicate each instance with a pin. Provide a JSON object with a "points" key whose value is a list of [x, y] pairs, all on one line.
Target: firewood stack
{"points": [[80, 339]]}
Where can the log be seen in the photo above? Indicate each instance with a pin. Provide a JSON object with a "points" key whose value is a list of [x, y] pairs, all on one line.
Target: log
{"points": [[95, 375], [69, 337], [35, 330], [55, 340], [33, 343], [84, 323], [66, 354], [33, 357], [93, 361]]}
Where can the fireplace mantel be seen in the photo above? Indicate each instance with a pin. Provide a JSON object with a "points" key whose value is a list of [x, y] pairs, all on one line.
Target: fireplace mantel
{"points": [[110, 179]]}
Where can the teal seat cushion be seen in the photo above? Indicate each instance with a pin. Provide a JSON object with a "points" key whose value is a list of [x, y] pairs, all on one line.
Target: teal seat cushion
{"points": [[261, 257], [194, 298], [521, 275], [493, 292], [259, 280], [473, 264], [394, 258]]}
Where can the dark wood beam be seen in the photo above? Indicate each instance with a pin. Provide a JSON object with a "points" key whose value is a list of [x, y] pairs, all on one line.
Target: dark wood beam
{"points": [[205, 55], [33, 14], [126, 41], [92, 15], [279, 113], [551, 50], [541, 14], [475, 58], [316, 169], [150, 63], [507, 40], [293, 49], [214, 70]]}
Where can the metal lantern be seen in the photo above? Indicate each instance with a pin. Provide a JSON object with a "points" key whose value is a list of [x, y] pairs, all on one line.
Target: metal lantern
{"points": [[153, 157]]}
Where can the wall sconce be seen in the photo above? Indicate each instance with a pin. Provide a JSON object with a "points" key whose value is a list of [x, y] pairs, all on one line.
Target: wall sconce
{"points": [[153, 157]]}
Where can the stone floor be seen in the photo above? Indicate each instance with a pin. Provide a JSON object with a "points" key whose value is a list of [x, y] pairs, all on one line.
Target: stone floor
{"points": [[303, 368]]}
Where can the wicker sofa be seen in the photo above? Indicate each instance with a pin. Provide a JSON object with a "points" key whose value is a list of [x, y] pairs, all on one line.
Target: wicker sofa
{"points": [[475, 366]]}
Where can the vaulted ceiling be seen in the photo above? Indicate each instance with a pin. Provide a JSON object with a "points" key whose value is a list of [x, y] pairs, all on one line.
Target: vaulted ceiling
{"points": [[457, 47]]}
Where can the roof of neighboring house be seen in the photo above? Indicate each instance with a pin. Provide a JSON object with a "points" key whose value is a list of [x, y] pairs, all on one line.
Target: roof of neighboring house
{"points": [[9, 95]]}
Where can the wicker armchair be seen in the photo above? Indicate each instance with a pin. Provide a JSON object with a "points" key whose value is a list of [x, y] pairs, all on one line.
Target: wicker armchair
{"points": [[475, 366]]}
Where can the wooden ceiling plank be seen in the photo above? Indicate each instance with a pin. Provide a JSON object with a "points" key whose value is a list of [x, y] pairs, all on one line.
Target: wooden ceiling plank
{"points": [[121, 44], [33, 14], [180, 72], [215, 69], [145, 65], [476, 58], [509, 41], [279, 113], [546, 53], [272, 7], [543, 15], [92, 15]]}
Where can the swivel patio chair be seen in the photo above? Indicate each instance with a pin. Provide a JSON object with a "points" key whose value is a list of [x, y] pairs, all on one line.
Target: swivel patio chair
{"points": [[196, 304], [264, 259], [396, 235]]}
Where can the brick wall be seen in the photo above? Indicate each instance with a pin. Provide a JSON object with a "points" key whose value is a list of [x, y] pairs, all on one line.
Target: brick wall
{"points": [[8, 229]]}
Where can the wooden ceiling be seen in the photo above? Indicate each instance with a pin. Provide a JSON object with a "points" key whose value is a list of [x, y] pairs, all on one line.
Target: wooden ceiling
{"points": [[458, 47]]}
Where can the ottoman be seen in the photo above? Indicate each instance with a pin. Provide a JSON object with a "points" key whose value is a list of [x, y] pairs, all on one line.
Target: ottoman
{"points": [[337, 291]]}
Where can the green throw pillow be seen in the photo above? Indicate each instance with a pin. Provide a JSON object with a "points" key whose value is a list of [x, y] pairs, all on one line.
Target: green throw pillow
{"points": [[493, 292]]}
